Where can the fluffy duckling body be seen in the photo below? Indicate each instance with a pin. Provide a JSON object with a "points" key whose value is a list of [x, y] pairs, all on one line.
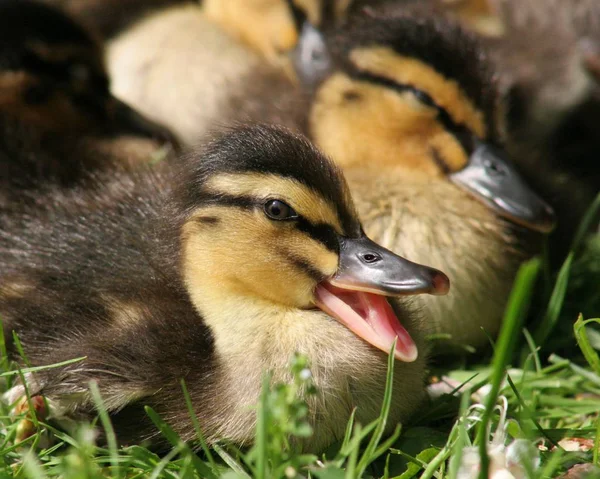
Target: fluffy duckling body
{"points": [[58, 119], [404, 105], [212, 275]]}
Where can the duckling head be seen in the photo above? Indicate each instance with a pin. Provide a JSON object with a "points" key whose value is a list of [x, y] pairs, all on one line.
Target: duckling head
{"points": [[52, 75], [269, 228], [415, 94]]}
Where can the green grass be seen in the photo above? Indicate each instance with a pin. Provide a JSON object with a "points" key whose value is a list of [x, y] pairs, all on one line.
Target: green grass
{"points": [[540, 384]]}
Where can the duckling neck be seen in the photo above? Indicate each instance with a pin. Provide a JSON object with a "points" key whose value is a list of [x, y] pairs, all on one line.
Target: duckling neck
{"points": [[246, 326]]}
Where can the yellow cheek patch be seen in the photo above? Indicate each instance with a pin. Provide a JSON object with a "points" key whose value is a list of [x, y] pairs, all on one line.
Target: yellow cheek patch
{"points": [[305, 201], [448, 151], [386, 63], [358, 124], [246, 253]]}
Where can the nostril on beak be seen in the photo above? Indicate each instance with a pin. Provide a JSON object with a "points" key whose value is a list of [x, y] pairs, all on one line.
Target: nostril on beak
{"points": [[370, 257]]}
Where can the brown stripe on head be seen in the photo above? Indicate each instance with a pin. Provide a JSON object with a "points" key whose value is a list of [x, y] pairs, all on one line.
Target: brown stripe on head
{"points": [[446, 92], [263, 186]]}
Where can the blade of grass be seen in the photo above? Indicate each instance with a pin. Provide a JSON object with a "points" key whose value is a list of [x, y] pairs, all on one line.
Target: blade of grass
{"points": [[230, 461], [3, 350], [556, 302], [164, 462], [20, 350], [591, 356], [528, 411], [349, 427], [552, 464], [111, 438], [196, 424], [461, 440], [353, 456], [32, 414], [533, 350], [262, 418], [558, 294], [32, 467], [385, 445], [202, 469], [586, 223], [597, 442], [43, 368], [518, 304], [367, 458]]}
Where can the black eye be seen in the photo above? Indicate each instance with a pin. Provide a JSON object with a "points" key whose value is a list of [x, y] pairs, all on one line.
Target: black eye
{"points": [[278, 210], [423, 98]]}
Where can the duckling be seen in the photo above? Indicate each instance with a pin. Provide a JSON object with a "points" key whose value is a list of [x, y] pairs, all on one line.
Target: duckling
{"points": [[407, 106], [213, 271], [57, 116], [552, 97]]}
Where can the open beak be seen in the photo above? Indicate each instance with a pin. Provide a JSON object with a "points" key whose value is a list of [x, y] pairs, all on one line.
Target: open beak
{"points": [[491, 177], [355, 296], [127, 120]]}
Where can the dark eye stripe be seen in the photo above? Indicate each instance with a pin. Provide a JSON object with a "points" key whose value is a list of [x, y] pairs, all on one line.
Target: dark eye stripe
{"points": [[462, 134], [243, 202], [321, 232], [304, 265]]}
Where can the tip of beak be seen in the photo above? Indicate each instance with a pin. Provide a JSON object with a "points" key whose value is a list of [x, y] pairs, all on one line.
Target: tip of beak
{"points": [[441, 284]]}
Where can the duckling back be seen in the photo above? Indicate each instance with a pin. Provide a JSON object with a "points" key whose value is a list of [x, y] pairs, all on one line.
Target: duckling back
{"points": [[57, 117]]}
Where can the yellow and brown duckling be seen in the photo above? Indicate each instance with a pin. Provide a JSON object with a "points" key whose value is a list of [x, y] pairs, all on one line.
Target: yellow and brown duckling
{"points": [[58, 120], [415, 121], [213, 272], [407, 106], [551, 89]]}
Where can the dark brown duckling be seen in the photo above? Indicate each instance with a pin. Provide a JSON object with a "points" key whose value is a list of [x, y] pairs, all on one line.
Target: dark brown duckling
{"points": [[213, 273], [58, 119]]}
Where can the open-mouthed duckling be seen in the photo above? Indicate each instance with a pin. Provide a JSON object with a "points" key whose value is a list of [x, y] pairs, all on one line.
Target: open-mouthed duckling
{"points": [[214, 275], [57, 116], [407, 107]]}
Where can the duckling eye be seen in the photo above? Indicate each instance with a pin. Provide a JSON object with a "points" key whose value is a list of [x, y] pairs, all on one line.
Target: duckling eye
{"points": [[423, 98], [278, 210]]}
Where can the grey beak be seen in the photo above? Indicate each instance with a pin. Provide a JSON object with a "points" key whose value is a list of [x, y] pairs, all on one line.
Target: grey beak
{"points": [[366, 266], [491, 177]]}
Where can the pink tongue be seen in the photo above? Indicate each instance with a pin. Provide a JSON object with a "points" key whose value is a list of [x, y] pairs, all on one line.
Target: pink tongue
{"points": [[369, 316]]}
